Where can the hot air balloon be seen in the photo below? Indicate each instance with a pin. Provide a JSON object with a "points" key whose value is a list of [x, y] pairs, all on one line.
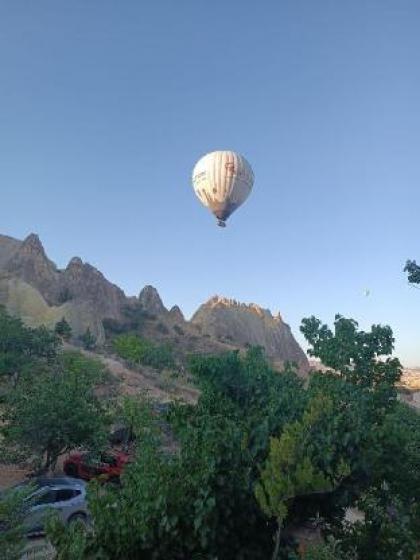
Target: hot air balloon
{"points": [[222, 181]]}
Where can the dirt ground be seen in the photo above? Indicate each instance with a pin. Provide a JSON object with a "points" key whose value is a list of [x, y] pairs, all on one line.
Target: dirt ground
{"points": [[11, 475]]}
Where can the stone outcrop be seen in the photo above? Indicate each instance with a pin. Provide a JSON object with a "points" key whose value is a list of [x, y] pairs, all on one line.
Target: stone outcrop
{"points": [[82, 281], [249, 324], [32, 287], [150, 301], [176, 314], [30, 264]]}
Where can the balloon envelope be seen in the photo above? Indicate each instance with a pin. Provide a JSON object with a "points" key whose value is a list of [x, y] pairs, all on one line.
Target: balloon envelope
{"points": [[222, 181]]}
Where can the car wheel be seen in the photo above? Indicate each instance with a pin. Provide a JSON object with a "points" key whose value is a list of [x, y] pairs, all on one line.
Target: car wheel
{"points": [[71, 469]]}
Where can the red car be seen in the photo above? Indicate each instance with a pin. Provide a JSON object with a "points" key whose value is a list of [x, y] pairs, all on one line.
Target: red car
{"points": [[106, 467]]}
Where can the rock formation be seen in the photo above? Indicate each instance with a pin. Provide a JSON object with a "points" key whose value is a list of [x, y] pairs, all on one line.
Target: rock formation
{"points": [[249, 325], [32, 287], [150, 301]]}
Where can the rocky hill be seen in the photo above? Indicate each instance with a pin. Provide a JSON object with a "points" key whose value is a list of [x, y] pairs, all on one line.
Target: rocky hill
{"points": [[248, 325], [32, 287]]}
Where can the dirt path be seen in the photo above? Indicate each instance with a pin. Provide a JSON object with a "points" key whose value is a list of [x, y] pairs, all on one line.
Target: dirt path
{"points": [[158, 385]]}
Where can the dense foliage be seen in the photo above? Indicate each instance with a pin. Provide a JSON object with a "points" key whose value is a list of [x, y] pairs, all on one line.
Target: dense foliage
{"points": [[23, 349], [413, 272], [51, 413], [13, 504], [63, 329], [48, 404], [259, 455], [294, 467], [139, 351], [354, 354]]}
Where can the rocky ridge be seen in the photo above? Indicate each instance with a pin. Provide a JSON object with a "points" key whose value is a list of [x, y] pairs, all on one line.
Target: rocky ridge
{"points": [[249, 325], [32, 287]]}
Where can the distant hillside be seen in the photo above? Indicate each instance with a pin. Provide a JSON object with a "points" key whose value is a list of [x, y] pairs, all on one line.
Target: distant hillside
{"points": [[32, 287]]}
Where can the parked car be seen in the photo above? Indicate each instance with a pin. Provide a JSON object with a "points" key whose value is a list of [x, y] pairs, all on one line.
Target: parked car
{"points": [[107, 466], [64, 495]]}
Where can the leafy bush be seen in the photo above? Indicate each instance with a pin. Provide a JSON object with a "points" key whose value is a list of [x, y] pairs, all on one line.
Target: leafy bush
{"points": [[141, 351], [88, 340], [13, 506], [51, 413], [23, 349], [293, 470], [63, 329], [388, 531], [70, 542], [342, 440], [330, 550]]}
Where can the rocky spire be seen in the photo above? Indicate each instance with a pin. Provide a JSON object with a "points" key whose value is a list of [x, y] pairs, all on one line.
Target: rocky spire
{"points": [[75, 262], [31, 264], [149, 299], [33, 243], [176, 314]]}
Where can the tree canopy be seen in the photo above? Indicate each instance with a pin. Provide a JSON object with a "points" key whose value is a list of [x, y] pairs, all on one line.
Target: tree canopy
{"points": [[413, 272], [56, 410], [23, 348], [262, 451]]}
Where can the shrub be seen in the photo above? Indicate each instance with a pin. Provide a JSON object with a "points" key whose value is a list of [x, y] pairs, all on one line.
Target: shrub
{"points": [[51, 413], [13, 505], [23, 349], [141, 351], [63, 329], [88, 340]]}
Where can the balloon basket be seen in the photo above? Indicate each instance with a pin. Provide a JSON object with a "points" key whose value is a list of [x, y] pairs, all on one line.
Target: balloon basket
{"points": [[221, 223]]}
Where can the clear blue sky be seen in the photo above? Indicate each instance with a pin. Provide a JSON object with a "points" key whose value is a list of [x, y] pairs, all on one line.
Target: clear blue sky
{"points": [[105, 107]]}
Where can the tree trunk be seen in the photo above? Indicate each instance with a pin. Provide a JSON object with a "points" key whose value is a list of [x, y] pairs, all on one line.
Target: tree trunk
{"points": [[50, 461], [277, 542]]}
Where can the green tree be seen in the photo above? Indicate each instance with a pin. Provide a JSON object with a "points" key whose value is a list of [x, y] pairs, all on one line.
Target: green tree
{"points": [[387, 531], [70, 542], [13, 506], [22, 348], [330, 550], [356, 355], [88, 340], [413, 272], [256, 432], [263, 399], [397, 457], [193, 502], [140, 351], [378, 437], [63, 329], [291, 471], [55, 411]]}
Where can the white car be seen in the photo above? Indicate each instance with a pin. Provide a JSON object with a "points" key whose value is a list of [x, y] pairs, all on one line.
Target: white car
{"points": [[64, 495]]}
